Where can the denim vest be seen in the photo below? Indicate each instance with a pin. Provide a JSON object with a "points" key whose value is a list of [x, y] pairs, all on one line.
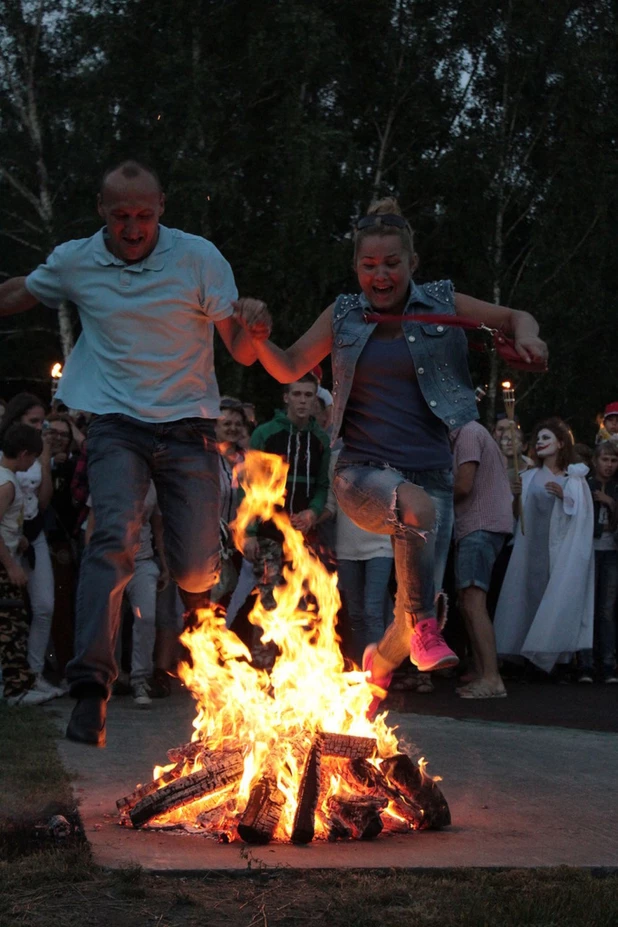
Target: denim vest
{"points": [[439, 353]]}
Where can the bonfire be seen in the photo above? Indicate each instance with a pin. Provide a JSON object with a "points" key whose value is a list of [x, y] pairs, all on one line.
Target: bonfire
{"points": [[287, 754]]}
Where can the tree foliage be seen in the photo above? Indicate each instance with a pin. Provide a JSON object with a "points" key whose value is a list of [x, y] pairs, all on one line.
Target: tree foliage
{"points": [[273, 124]]}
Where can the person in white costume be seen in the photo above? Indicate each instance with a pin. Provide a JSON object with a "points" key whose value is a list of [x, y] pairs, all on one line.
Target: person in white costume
{"points": [[546, 606]]}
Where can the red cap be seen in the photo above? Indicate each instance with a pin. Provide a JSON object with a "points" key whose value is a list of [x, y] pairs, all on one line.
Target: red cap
{"points": [[611, 409], [317, 372]]}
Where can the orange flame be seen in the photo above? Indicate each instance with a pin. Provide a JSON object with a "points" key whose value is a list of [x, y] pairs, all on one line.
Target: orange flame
{"points": [[56, 371], [271, 715]]}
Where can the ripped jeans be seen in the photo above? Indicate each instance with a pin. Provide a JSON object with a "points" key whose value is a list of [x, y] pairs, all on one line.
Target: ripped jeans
{"points": [[367, 493]]}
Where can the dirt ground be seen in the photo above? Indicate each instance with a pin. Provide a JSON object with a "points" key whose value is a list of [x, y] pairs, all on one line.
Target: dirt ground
{"points": [[61, 887]]}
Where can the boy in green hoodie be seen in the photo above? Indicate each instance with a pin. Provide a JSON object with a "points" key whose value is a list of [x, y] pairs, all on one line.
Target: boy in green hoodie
{"points": [[294, 434]]}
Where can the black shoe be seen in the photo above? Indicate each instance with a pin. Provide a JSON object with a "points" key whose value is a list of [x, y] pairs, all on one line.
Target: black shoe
{"points": [[87, 722], [161, 685], [122, 686]]}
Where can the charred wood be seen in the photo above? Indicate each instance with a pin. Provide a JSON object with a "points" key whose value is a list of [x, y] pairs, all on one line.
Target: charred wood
{"points": [[358, 817], [303, 828], [186, 753], [219, 771], [261, 816], [129, 801], [347, 746], [420, 789]]}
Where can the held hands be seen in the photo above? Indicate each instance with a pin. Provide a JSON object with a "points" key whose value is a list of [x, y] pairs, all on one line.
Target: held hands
{"points": [[555, 489], [304, 521], [250, 550], [254, 317]]}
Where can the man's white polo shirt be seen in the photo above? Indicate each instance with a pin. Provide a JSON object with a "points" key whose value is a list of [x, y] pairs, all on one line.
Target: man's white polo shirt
{"points": [[146, 347]]}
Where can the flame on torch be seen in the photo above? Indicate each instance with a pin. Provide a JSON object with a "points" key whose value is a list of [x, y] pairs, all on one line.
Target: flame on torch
{"points": [[508, 397], [56, 371]]}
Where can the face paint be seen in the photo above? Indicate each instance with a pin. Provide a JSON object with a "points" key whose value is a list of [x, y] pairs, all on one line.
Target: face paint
{"points": [[547, 443]]}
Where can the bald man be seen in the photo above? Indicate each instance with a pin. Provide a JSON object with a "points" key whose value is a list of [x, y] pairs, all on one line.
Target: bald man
{"points": [[149, 298]]}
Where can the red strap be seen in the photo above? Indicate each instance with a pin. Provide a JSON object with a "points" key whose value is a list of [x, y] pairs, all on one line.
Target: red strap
{"points": [[423, 318]]}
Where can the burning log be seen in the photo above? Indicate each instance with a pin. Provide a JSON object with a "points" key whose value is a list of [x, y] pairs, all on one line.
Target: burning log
{"points": [[357, 817], [261, 816], [129, 801], [219, 771], [347, 746], [186, 753], [304, 820], [418, 788], [417, 797]]}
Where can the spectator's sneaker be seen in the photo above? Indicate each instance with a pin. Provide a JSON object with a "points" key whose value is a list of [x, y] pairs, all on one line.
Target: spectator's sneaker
{"points": [[29, 697], [585, 677], [428, 649], [379, 687], [42, 685], [141, 695], [610, 678]]}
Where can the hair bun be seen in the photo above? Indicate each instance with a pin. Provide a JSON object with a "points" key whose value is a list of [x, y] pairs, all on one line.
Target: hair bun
{"points": [[387, 205]]}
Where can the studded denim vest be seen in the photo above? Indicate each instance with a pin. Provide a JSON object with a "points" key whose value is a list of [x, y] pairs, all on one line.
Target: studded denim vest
{"points": [[439, 353]]}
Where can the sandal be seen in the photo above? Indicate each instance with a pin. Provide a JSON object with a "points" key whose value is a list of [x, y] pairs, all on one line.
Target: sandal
{"points": [[424, 684], [481, 690]]}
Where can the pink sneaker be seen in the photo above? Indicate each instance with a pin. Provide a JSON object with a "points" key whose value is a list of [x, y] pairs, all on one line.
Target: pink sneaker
{"points": [[379, 687], [428, 649]]}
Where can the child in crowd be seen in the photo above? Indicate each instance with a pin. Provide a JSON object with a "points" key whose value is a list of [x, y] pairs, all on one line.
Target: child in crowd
{"points": [[604, 489], [483, 522], [21, 445], [609, 427], [37, 490]]}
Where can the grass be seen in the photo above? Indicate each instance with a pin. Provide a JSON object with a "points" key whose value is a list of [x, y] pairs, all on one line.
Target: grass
{"points": [[64, 887], [42, 885], [33, 783]]}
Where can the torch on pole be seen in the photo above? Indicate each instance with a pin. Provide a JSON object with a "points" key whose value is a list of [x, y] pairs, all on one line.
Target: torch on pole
{"points": [[508, 397], [56, 373]]}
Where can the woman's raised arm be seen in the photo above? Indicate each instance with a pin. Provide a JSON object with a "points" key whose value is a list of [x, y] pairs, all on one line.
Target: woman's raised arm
{"points": [[521, 325], [312, 347]]}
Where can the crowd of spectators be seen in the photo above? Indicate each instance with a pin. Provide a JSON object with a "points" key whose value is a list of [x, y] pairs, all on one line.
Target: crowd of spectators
{"points": [[532, 574]]}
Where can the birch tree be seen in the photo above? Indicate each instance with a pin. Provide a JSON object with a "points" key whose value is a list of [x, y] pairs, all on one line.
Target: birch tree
{"points": [[27, 210]]}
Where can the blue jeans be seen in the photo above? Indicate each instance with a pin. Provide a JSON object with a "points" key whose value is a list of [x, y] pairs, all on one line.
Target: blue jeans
{"points": [[605, 591], [364, 585], [124, 454], [367, 493]]}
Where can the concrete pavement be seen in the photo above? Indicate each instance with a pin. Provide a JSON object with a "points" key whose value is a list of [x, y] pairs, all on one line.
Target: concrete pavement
{"points": [[519, 796]]}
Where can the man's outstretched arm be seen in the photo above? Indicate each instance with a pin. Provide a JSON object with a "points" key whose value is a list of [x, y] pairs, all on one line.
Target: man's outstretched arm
{"points": [[14, 297], [251, 321]]}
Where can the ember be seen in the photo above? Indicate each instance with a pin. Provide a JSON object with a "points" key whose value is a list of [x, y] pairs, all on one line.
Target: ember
{"points": [[290, 754]]}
